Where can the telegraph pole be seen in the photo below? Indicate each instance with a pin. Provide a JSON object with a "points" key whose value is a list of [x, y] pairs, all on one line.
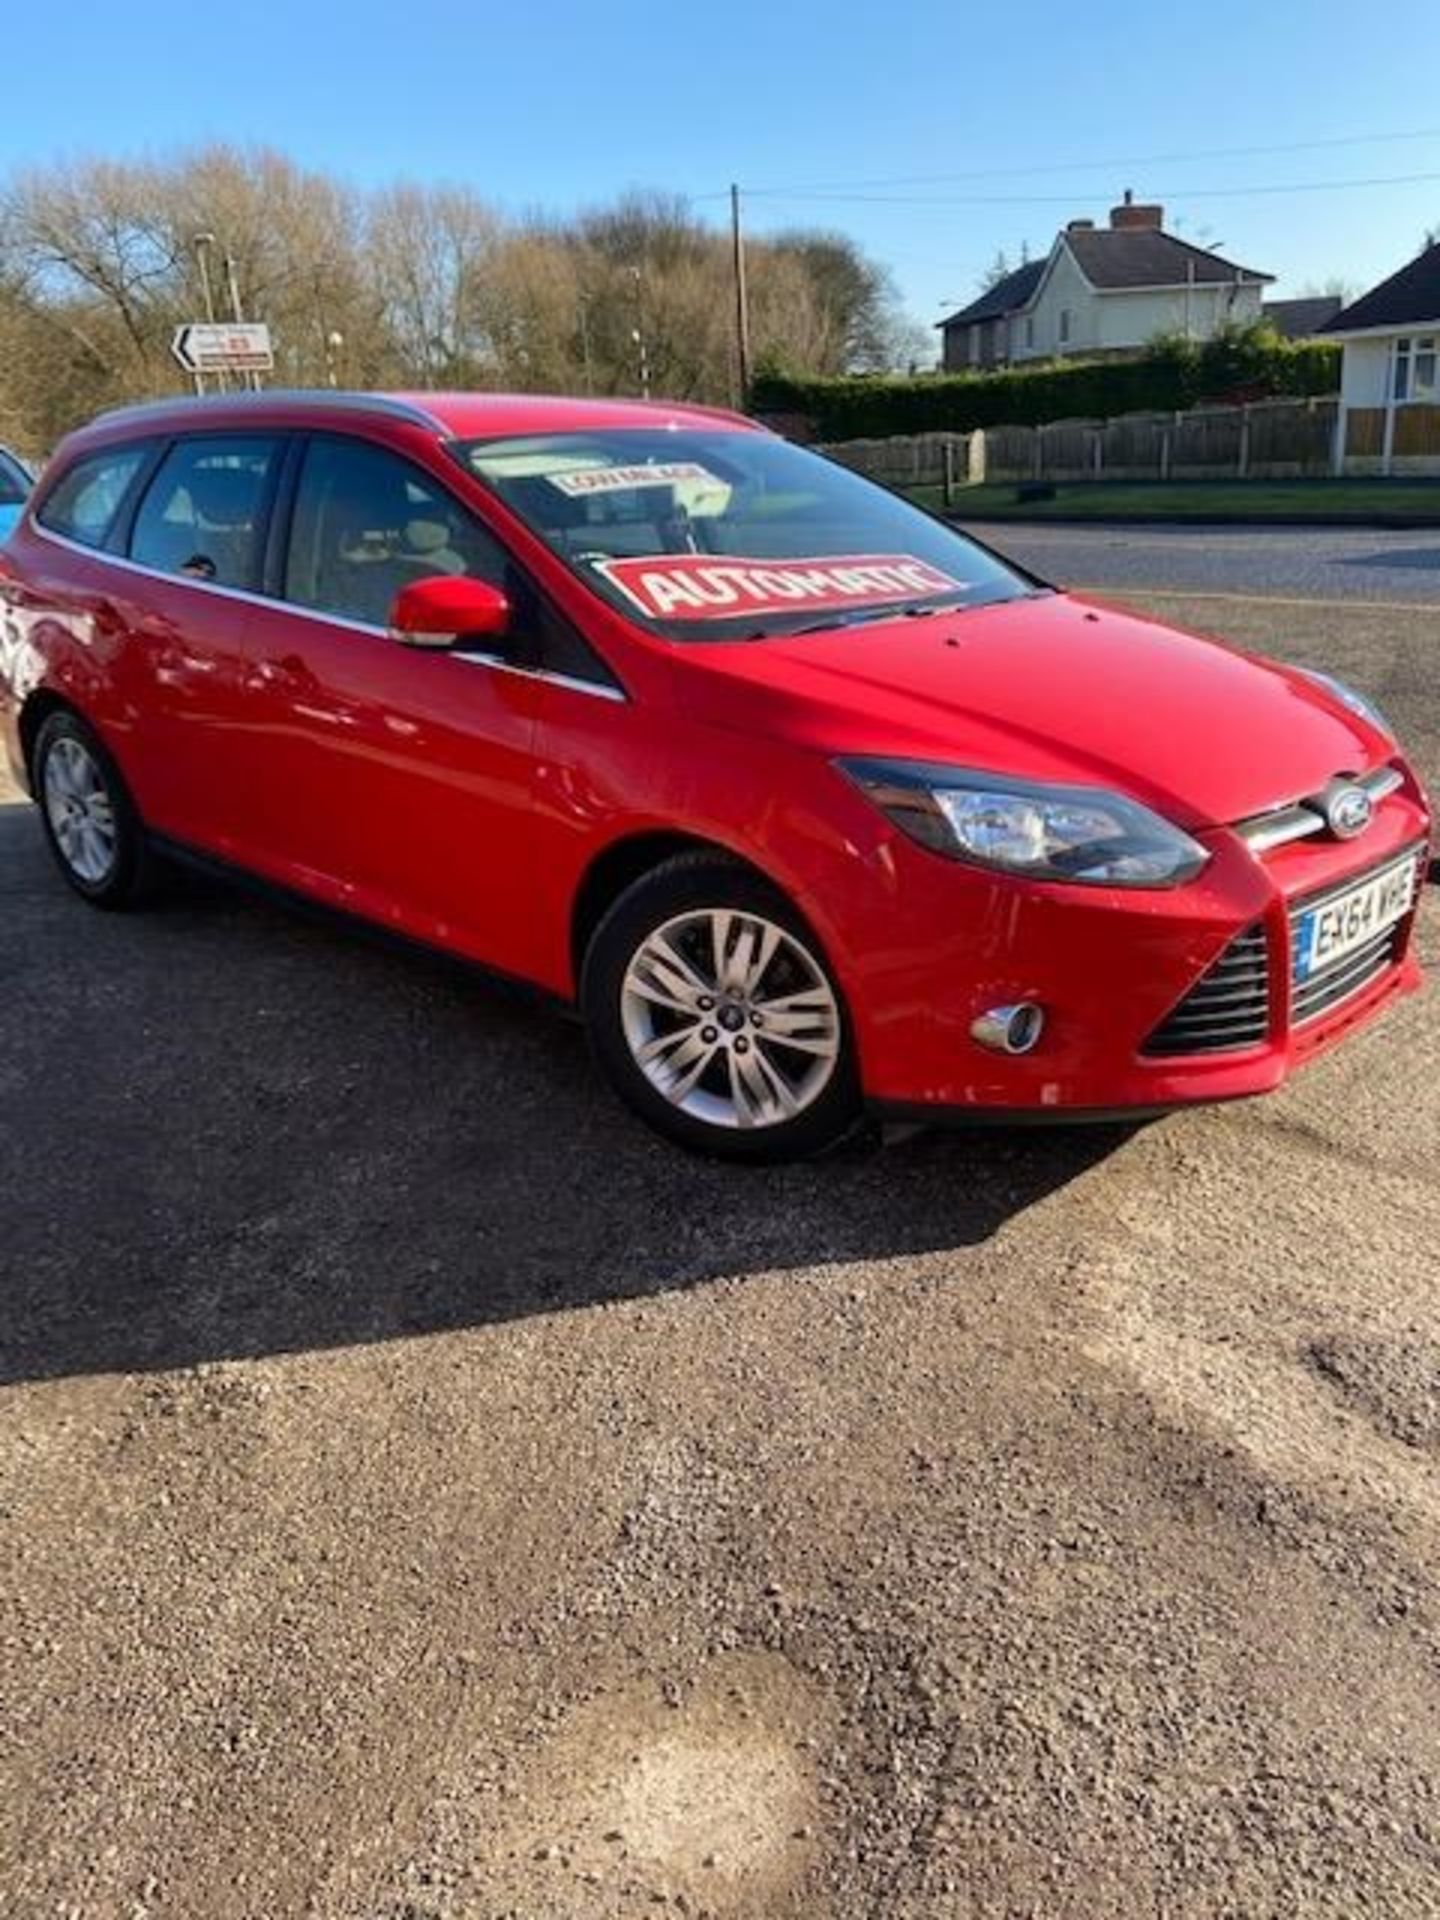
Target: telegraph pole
{"points": [[742, 303], [203, 243], [582, 301]]}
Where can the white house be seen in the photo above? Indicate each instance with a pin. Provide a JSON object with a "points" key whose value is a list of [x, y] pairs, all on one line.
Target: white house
{"points": [[1103, 290], [1390, 379]]}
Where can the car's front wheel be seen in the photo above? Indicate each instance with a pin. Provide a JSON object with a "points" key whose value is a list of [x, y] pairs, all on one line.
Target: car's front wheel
{"points": [[714, 1014], [90, 820]]}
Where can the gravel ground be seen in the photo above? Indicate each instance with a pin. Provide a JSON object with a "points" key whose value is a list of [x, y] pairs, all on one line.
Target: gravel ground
{"points": [[427, 1497], [1335, 563]]}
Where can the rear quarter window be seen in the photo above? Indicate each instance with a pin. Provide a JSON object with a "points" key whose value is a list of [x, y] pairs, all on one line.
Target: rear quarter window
{"points": [[84, 501]]}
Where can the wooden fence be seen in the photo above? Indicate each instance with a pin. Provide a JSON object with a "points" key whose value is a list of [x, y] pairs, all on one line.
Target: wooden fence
{"points": [[1267, 440]]}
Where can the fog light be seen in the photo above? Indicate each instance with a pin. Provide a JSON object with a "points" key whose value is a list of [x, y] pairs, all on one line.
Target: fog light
{"points": [[1009, 1029]]}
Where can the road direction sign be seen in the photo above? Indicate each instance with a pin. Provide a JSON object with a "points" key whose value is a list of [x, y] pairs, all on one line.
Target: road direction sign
{"points": [[217, 347]]}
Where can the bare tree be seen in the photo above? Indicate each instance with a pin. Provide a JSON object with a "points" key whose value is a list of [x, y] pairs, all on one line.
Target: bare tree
{"points": [[864, 324], [428, 253], [1336, 287], [100, 262]]}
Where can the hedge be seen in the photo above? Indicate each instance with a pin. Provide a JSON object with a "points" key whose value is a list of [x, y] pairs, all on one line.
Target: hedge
{"points": [[1244, 364]]}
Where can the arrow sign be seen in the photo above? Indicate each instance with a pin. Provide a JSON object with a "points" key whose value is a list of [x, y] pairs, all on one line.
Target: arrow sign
{"points": [[214, 347]]}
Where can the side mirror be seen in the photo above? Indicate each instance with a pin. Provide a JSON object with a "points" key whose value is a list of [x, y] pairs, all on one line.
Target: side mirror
{"points": [[445, 608]]}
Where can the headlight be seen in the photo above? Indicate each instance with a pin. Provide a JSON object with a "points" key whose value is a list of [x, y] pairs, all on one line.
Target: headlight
{"points": [[1083, 835], [1350, 697]]}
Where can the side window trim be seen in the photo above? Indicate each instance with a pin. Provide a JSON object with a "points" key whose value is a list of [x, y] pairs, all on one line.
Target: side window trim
{"points": [[117, 541], [265, 512], [276, 555]]}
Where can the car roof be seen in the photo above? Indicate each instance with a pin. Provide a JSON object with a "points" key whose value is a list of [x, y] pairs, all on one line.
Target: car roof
{"points": [[460, 416]]}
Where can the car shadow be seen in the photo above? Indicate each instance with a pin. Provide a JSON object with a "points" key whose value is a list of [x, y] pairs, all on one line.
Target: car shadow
{"points": [[238, 1131]]}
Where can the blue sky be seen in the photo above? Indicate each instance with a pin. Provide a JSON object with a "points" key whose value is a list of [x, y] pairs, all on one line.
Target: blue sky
{"points": [[1033, 114]]}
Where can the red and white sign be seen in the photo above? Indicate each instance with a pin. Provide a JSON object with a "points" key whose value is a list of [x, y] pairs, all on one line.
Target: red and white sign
{"points": [[215, 347], [583, 481], [697, 586]]}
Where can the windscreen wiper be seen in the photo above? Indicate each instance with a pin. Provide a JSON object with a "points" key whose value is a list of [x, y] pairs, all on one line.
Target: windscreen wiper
{"points": [[867, 616]]}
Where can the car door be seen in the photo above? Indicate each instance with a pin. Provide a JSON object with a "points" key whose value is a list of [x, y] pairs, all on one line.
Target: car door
{"points": [[194, 551], [61, 625], [393, 781]]}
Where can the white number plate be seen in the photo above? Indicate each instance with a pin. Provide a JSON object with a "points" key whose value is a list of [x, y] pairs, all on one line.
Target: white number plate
{"points": [[1325, 934]]}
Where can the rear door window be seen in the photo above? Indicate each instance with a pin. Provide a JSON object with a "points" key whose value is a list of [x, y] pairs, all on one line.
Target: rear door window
{"points": [[84, 501], [203, 514]]}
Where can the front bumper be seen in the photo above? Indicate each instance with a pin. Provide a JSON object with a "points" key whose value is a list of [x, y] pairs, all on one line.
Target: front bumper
{"points": [[1108, 965]]}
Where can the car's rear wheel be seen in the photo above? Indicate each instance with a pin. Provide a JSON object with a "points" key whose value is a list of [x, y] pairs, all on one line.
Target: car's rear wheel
{"points": [[90, 820], [715, 1016]]}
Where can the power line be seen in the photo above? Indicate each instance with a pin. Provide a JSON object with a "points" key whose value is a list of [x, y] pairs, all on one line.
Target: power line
{"points": [[1068, 199], [855, 194], [1081, 166]]}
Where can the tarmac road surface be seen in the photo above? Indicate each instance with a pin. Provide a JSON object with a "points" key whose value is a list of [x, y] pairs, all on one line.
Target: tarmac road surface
{"points": [[1331, 563], [426, 1496]]}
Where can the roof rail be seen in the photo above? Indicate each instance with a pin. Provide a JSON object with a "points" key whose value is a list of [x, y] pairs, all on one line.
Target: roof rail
{"points": [[327, 399]]}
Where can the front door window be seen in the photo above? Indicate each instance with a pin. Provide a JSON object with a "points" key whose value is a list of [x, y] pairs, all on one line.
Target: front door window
{"points": [[367, 523]]}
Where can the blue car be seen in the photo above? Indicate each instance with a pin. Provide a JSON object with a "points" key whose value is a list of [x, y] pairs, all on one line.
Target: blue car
{"points": [[15, 484]]}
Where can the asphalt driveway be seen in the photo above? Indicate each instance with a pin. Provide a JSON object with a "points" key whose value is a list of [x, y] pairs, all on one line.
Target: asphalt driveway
{"points": [[1332, 563], [426, 1496]]}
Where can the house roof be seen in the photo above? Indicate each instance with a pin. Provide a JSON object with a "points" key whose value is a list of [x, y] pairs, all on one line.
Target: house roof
{"points": [[1112, 259], [1115, 258], [1407, 298], [1300, 319], [1006, 296]]}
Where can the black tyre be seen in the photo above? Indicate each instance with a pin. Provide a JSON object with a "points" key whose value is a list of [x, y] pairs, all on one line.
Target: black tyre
{"points": [[90, 820], [713, 1013]]}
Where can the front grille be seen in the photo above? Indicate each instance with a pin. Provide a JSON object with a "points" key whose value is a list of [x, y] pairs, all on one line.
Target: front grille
{"points": [[1277, 826], [1309, 999], [1227, 1008]]}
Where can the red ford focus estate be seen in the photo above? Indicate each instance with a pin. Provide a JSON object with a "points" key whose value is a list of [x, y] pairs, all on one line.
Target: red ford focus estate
{"points": [[806, 800]]}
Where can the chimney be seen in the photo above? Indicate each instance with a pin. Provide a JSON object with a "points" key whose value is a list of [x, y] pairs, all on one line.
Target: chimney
{"points": [[1129, 216], [1079, 226]]}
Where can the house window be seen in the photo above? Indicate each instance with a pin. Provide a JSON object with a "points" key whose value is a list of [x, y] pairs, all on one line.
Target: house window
{"points": [[1415, 367], [1064, 325], [1030, 330], [974, 346]]}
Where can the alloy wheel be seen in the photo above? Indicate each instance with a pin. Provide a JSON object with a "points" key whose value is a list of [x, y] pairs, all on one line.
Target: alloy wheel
{"points": [[731, 1019], [80, 810]]}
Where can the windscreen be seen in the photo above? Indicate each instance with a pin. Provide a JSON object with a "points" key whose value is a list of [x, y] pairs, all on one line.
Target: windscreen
{"points": [[731, 535]]}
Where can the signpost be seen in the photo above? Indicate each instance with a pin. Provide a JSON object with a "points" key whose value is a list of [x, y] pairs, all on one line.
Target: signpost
{"points": [[221, 347]]}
